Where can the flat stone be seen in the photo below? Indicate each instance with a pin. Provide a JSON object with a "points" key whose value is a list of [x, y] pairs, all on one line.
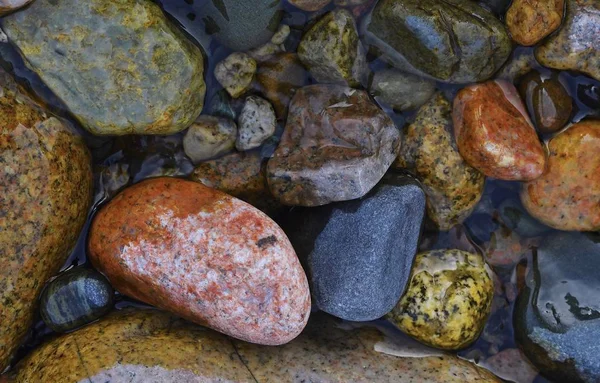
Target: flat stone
{"points": [[336, 146], [401, 91], [256, 123], [203, 255], [576, 46], [120, 66], [567, 195], [502, 142], [529, 21], [359, 253], [45, 192], [429, 151], [209, 137]]}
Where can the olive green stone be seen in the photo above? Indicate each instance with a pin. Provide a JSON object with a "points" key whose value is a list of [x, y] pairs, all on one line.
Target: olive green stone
{"points": [[74, 298], [119, 65], [332, 51], [454, 41], [447, 301]]}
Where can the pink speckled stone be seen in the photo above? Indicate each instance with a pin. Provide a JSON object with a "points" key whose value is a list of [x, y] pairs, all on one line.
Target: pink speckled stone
{"points": [[494, 133], [203, 255]]}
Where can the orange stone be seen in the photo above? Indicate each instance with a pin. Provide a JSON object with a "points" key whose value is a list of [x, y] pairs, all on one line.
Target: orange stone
{"points": [[529, 21]]}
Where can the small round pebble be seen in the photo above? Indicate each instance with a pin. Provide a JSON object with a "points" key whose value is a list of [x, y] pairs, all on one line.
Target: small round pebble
{"points": [[235, 73], [76, 297], [209, 137], [256, 122], [447, 300]]}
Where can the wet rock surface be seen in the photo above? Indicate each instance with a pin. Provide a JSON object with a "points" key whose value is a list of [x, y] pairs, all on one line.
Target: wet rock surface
{"points": [[235, 73], [247, 282], [8, 6], [107, 71], [359, 253], [557, 317], [45, 194], [429, 151], [209, 137], [401, 91], [502, 142], [336, 146], [529, 21], [577, 44], [453, 41]]}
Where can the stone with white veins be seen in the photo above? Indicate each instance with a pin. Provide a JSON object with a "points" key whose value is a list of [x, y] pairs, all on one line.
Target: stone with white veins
{"points": [[256, 123]]}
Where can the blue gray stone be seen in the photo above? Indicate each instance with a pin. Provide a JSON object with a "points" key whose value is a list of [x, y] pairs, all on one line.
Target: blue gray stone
{"points": [[557, 317], [358, 254]]}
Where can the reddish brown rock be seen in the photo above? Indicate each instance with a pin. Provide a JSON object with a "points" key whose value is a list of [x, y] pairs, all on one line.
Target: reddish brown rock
{"points": [[494, 134], [529, 21], [309, 5], [336, 146], [567, 195], [205, 256]]}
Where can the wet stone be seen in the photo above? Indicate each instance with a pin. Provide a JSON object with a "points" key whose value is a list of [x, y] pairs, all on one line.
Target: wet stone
{"points": [[209, 137], [8, 6], [235, 73], [359, 253], [447, 301], [336, 146], [76, 297], [401, 91], [256, 123], [111, 63], [529, 21]]}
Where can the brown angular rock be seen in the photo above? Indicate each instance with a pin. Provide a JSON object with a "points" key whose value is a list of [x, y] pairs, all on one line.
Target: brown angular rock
{"points": [[429, 151], [494, 133], [567, 195], [203, 255], [336, 146], [529, 21], [45, 193]]}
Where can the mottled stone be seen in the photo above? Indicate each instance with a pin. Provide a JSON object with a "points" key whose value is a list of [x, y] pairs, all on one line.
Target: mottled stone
{"points": [[336, 146], [500, 142], [429, 151], [209, 137], [240, 174], [453, 41], [332, 51], [256, 123], [359, 253], [203, 255], [448, 299], [529, 21], [577, 44], [567, 195], [8, 6], [149, 346], [547, 100], [76, 297], [309, 5], [112, 63], [279, 78], [241, 25], [557, 315], [235, 73], [45, 193], [401, 91]]}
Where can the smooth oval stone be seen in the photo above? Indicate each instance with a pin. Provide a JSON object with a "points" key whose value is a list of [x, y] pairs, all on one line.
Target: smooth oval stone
{"points": [[557, 314], [76, 297], [529, 21], [203, 255], [454, 41], [452, 186], [576, 46], [448, 299], [547, 101], [359, 253], [209, 137], [112, 63], [150, 346], [567, 195], [500, 142], [45, 193]]}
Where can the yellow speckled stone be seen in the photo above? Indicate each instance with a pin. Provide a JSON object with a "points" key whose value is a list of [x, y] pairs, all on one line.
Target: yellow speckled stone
{"points": [[447, 301]]}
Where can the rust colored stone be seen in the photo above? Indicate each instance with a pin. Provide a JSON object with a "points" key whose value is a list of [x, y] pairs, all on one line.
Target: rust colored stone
{"points": [[529, 21], [494, 133], [567, 195], [197, 252]]}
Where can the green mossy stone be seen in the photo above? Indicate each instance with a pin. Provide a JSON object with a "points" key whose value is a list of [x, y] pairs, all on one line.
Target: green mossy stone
{"points": [[119, 65]]}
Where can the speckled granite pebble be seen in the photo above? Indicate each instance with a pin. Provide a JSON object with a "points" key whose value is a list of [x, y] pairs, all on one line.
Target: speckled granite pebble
{"points": [[448, 299], [203, 255], [45, 194], [567, 195], [256, 123], [429, 151], [153, 347]]}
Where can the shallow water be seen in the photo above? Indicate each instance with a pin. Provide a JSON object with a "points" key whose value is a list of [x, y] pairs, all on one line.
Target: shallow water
{"points": [[122, 161]]}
